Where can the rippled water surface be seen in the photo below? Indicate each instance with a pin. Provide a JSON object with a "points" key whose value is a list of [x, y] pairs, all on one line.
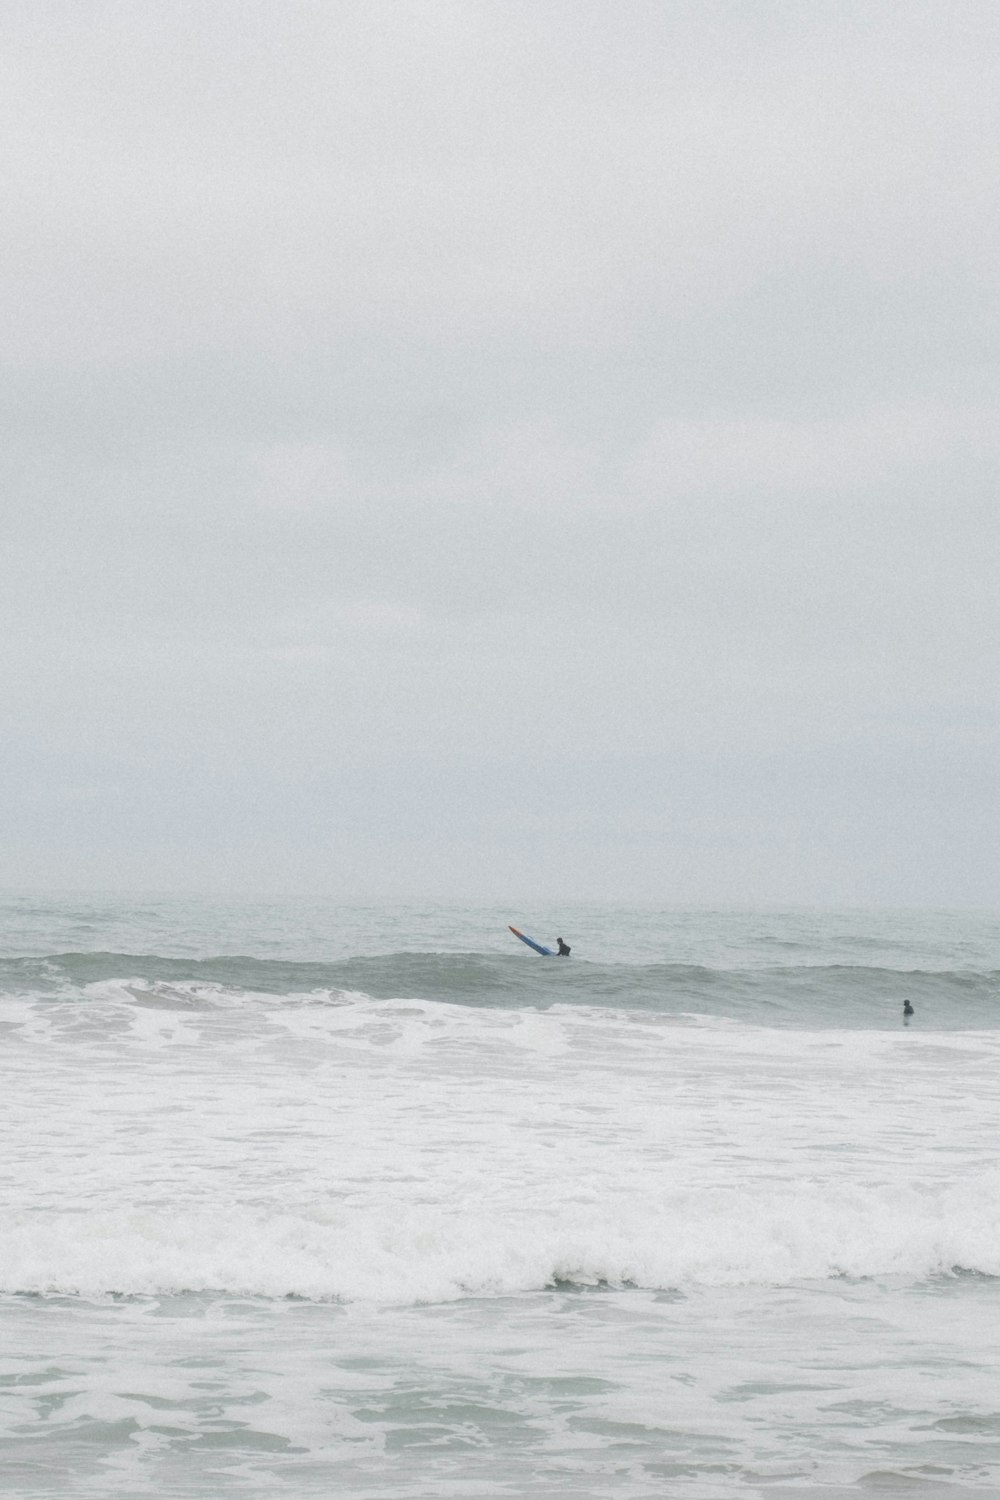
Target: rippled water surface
{"points": [[308, 1202]]}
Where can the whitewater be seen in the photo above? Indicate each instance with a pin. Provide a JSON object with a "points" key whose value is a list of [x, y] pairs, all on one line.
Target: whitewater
{"points": [[304, 1200]]}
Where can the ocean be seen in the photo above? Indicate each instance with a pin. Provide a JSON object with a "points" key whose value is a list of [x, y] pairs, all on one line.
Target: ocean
{"points": [[303, 1199]]}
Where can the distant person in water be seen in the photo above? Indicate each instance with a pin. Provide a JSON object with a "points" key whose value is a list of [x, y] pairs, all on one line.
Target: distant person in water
{"points": [[907, 1011], [563, 950]]}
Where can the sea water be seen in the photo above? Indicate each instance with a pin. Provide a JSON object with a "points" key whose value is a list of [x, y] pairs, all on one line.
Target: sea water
{"points": [[310, 1200]]}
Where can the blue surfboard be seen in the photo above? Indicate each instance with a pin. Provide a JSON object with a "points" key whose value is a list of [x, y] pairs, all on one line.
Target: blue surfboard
{"points": [[538, 947]]}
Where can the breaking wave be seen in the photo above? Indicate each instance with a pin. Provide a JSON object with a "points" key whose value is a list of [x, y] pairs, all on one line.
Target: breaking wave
{"points": [[814, 995]]}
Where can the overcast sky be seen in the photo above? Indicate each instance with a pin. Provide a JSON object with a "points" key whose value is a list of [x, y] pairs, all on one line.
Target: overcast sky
{"points": [[522, 449]]}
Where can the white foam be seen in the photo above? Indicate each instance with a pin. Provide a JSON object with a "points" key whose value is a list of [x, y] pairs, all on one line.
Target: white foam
{"points": [[404, 1151], [439, 1252]]}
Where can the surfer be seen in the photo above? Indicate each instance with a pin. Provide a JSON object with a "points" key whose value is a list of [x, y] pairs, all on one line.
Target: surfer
{"points": [[907, 1011], [563, 949]]}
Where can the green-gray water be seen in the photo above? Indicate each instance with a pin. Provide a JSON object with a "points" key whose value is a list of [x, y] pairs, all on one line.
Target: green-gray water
{"points": [[305, 1200]]}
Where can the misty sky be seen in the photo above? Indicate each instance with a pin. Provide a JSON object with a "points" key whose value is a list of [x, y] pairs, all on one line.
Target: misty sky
{"points": [[527, 450]]}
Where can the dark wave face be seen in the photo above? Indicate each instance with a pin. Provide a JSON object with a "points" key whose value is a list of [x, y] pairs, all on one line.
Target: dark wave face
{"points": [[808, 996]]}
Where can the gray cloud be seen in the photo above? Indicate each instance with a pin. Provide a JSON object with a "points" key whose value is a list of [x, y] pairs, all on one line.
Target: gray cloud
{"points": [[502, 449]]}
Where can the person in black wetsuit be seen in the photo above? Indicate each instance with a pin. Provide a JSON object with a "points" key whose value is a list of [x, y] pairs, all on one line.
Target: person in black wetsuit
{"points": [[563, 949], [907, 1011]]}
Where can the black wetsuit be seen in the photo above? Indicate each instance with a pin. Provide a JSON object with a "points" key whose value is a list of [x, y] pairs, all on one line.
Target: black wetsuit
{"points": [[563, 949]]}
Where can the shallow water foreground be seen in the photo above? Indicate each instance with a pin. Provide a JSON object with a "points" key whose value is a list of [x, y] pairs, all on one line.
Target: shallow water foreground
{"points": [[831, 1389]]}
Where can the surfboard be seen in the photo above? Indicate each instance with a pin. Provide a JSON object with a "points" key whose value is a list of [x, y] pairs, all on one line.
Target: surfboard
{"points": [[538, 947]]}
